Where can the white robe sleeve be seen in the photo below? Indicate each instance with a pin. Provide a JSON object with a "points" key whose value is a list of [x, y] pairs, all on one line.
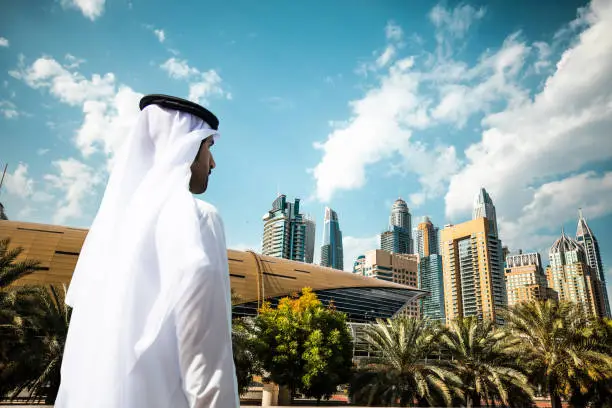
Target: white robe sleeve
{"points": [[203, 327]]}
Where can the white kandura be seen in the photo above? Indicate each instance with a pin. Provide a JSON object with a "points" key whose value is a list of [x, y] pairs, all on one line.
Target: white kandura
{"points": [[151, 320]]}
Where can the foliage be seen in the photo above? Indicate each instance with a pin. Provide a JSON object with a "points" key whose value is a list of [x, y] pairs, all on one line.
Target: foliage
{"points": [[41, 325], [402, 372], [303, 345], [11, 270], [245, 359], [482, 357], [557, 342]]}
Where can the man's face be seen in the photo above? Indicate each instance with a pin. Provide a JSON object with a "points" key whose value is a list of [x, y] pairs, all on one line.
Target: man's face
{"points": [[201, 167]]}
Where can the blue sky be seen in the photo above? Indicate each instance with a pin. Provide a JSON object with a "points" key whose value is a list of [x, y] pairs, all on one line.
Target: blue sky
{"points": [[346, 104]]}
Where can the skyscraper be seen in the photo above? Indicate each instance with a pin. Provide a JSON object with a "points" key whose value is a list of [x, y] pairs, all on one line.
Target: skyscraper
{"points": [[397, 238], [572, 277], [285, 231], [473, 271], [431, 279], [586, 238], [311, 228], [425, 238], [483, 207], [426, 245], [331, 251], [525, 279]]}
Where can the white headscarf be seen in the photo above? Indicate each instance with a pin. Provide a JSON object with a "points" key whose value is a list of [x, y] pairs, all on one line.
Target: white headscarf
{"points": [[131, 267]]}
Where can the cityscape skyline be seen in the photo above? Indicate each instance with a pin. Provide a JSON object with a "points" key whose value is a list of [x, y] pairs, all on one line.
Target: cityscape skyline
{"points": [[428, 101]]}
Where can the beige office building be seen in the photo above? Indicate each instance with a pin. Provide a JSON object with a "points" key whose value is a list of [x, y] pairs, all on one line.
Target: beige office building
{"points": [[396, 268], [525, 279], [472, 263]]}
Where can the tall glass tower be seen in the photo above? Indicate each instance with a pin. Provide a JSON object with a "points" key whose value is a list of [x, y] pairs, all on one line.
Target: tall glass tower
{"points": [[285, 233], [585, 236], [483, 207], [397, 239], [332, 254]]}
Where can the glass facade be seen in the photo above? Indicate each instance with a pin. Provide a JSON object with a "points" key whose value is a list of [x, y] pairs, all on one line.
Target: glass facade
{"points": [[332, 254], [431, 280], [361, 305], [285, 231]]}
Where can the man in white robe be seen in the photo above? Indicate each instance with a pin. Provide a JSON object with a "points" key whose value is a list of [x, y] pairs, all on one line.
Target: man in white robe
{"points": [[151, 320]]}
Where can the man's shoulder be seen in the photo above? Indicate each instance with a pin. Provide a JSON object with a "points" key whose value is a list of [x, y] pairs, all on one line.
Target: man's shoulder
{"points": [[206, 210]]}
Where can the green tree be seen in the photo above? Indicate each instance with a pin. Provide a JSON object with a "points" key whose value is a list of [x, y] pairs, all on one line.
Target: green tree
{"points": [[483, 358], [41, 325], [304, 345], [556, 342], [245, 358], [402, 373]]}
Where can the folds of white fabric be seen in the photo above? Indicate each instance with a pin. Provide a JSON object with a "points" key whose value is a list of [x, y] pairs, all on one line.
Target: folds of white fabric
{"points": [[143, 256]]}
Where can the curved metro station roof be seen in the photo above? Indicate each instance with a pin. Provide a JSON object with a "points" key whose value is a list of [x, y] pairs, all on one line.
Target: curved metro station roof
{"points": [[254, 277]]}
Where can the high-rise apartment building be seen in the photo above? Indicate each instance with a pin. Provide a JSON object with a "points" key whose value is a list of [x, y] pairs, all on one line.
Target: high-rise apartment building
{"points": [[425, 238], [525, 279], [332, 254], [311, 228], [426, 245], [285, 232], [431, 279], [572, 278], [586, 238], [473, 271], [398, 268], [484, 208], [397, 239]]}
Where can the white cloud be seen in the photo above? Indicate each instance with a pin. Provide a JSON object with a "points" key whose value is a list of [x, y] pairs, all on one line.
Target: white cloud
{"points": [[107, 122], [178, 68], [72, 61], [91, 9], [352, 247], [452, 26], [70, 87], [202, 85], [77, 181], [379, 127], [544, 53], [42, 152], [8, 109], [208, 85], [393, 31], [4, 42], [457, 21], [562, 129], [160, 34], [399, 105], [109, 109], [18, 183], [386, 56], [589, 191]]}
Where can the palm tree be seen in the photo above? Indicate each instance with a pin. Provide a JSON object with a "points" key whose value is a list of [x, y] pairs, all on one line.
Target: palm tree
{"points": [[482, 358], [41, 325], [553, 342], [402, 372], [10, 271]]}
